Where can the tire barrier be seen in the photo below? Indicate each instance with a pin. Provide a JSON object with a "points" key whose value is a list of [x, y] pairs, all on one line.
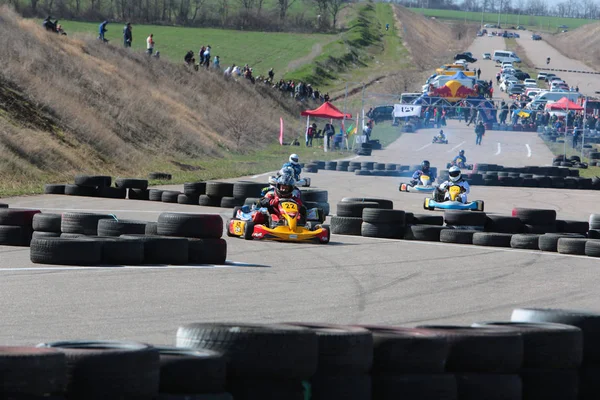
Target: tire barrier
{"points": [[539, 353], [526, 228], [100, 239], [557, 176], [210, 193]]}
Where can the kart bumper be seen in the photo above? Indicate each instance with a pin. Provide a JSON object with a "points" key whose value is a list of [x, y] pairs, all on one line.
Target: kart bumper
{"points": [[284, 234], [405, 187], [431, 204]]}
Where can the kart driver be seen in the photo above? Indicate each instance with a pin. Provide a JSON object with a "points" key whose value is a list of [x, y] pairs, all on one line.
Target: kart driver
{"points": [[461, 154], [423, 171], [294, 163], [284, 189], [455, 179], [442, 137]]}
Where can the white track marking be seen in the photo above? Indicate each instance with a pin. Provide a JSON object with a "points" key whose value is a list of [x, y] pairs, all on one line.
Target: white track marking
{"points": [[259, 175], [528, 150], [424, 147], [230, 264], [499, 149], [456, 147]]}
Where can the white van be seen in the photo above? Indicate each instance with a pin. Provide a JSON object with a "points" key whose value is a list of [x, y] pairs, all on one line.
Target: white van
{"points": [[505, 56], [545, 97]]}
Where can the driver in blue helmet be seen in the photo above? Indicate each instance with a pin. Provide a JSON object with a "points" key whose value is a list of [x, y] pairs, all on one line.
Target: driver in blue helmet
{"points": [[425, 170], [461, 155]]}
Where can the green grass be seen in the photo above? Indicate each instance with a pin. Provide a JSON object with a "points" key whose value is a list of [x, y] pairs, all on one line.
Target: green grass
{"points": [[386, 133], [532, 22], [260, 50], [269, 159], [559, 148], [364, 47]]}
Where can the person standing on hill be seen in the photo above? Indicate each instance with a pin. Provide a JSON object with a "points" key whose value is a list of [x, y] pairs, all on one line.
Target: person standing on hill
{"points": [[150, 44], [127, 35], [478, 73], [102, 30]]}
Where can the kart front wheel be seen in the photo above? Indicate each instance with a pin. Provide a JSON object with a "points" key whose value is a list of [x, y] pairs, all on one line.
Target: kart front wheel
{"points": [[248, 230], [328, 229], [229, 228], [479, 205]]}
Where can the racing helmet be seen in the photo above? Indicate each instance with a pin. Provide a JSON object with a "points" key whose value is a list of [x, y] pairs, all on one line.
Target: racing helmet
{"points": [[461, 153], [441, 132], [272, 180], [285, 186], [425, 166], [294, 159], [454, 174], [287, 171]]}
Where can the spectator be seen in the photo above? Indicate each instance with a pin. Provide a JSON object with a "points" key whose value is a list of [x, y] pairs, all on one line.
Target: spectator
{"points": [[207, 56], [310, 133], [150, 44], [127, 35], [271, 75], [201, 55], [189, 56], [102, 30], [329, 130], [478, 73], [217, 62], [48, 24]]}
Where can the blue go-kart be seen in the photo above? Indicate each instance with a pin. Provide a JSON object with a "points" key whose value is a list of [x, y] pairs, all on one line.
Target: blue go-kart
{"points": [[452, 203]]}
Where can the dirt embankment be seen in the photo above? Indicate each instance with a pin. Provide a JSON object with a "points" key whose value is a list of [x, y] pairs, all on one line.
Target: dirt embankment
{"points": [[430, 41], [73, 104], [581, 44]]}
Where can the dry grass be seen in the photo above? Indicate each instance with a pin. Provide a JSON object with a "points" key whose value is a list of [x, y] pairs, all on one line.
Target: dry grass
{"points": [[580, 44], [431, 42], [75, 105]]}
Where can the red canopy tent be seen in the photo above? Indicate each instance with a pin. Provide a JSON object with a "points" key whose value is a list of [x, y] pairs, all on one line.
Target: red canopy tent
{"points": [[564, 104], [326, 110]]}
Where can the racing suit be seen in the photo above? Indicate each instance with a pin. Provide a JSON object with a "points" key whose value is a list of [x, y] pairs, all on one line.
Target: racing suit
{"points": [[271, 202], [417, 175], [464, 159], [462, 183], [296, 167]]}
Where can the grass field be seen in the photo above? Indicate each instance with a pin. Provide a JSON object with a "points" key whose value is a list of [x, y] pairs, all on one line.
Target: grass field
{"points": [[260, 50], [532, 22]]}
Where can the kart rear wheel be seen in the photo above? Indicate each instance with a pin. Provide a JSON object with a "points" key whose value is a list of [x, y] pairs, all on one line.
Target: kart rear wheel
{"points": [[248, 230]]}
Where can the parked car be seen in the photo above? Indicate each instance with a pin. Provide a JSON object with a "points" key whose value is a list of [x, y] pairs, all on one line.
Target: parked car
{"points": [[542, 76], [536, 37], [381, 113], [487, 56], [521, 27], [466, 57], [563, 26], [522, 75], [530, 82]]}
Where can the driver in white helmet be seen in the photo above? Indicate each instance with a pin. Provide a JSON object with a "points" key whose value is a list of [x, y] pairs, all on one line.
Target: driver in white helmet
{"points": [[294, 163], [455, 179]]}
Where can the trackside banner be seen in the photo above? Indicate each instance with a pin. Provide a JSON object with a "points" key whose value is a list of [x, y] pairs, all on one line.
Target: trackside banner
{"points": [[405, 110]]}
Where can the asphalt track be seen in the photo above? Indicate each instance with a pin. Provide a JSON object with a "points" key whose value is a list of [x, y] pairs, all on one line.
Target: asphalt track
{"points": [[351, 280]]}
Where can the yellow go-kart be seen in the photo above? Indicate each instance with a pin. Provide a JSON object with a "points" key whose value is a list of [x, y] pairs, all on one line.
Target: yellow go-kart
{"points": [[284, 226]]}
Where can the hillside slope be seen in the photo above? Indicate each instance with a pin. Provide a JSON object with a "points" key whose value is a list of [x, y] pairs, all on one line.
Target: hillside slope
{"points": [[69, 106], [581, 44]]}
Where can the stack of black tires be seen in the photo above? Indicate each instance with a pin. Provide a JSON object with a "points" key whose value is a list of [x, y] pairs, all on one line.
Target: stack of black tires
{"points": [[101, 239], [539, 354]]}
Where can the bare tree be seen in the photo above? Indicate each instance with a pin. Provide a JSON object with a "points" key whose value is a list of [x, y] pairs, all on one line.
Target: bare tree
{"points": [[247, 5], [198, 4], [335, 6], [283, 6]]}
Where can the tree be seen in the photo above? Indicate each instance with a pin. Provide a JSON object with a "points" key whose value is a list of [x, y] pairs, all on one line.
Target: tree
{"points": [[283, 6], [335, 6]]}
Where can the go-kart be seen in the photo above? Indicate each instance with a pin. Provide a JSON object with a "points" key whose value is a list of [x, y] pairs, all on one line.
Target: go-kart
{"points": [[288, 228], [438, 139], [460, 163], [424, 185], [303, 182], [452, 203]]}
